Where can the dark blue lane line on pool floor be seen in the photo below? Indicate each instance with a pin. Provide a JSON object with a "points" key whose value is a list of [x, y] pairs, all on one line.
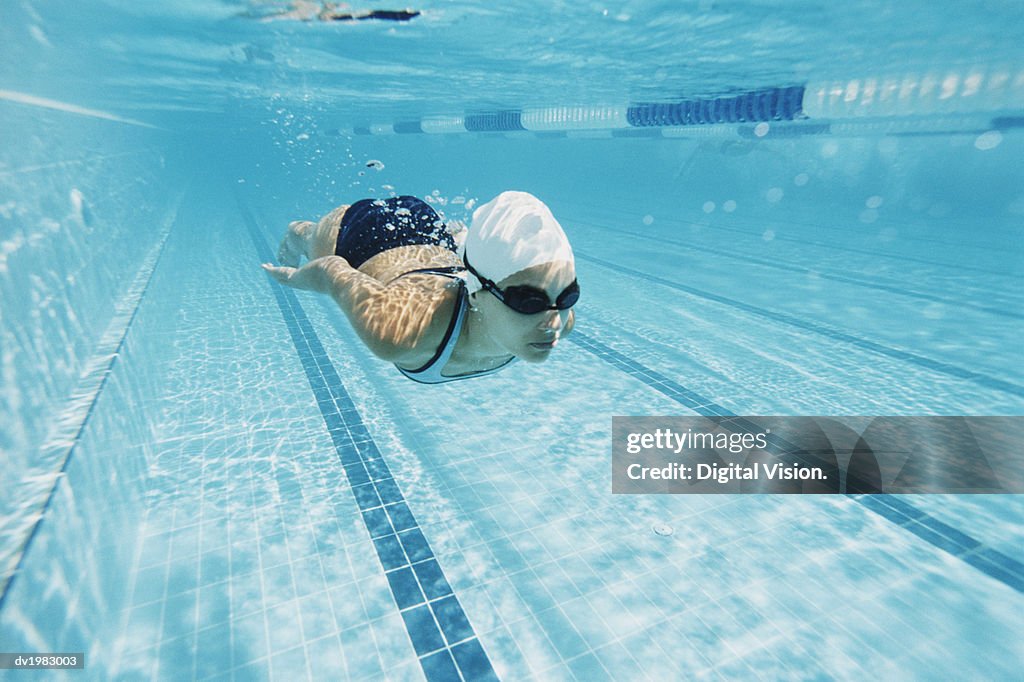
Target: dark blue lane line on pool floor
{"points": [[824, 330], [441, 634], [993, 563]]}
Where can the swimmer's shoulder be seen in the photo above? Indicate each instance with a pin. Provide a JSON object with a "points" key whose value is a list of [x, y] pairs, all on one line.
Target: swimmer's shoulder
{"points": [[433, 303]]}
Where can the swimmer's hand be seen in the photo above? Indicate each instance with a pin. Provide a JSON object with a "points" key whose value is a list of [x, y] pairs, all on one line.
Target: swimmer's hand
{"points": [[306, 277], [283, 274], [316, 275]]}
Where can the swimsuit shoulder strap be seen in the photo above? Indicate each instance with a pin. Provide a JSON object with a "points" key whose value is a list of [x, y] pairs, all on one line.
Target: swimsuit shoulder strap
{"points": [[430, 373], [449, 271]]}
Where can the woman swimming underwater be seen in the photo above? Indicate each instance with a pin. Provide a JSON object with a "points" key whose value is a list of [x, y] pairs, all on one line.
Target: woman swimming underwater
{"points": [[437, 311]]}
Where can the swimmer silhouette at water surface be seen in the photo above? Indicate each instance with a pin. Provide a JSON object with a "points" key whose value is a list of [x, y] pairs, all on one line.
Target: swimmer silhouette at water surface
{"points": [[308, 10], [436, 310]]}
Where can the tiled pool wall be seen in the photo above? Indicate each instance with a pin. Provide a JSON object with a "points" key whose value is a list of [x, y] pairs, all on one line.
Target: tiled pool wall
{"points": [[84, 205], [70, 588]]}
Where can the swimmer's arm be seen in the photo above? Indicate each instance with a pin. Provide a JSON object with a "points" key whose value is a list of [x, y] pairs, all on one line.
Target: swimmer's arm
{"points": [[394, 320], [313, 276], [386, 317], [331, 275]]}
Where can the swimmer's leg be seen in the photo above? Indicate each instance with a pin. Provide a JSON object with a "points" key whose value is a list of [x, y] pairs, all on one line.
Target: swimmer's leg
{"points": [[295, 243]]}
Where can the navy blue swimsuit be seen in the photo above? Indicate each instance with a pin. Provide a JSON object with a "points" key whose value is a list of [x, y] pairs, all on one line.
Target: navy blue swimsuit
{"points": [[370, 226]]}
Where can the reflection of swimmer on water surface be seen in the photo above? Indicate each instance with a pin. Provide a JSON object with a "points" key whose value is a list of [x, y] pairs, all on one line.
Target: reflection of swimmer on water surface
{"points": [[437, 310], [306, 10]]}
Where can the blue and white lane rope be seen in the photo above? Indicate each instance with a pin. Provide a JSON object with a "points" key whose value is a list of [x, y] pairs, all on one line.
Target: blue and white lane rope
{"points": [[936, 101]]}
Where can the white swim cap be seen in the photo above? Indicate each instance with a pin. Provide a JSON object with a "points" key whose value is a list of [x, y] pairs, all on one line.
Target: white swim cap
{"points": [[512, 232]]}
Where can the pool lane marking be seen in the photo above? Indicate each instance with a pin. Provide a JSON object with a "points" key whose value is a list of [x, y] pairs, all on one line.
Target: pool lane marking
{"points": [[70, 423], [444, 640], [992, 562], [824, 330]]}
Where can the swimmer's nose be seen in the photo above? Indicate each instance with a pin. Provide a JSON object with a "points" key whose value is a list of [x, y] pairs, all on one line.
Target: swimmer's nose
{"points": [[554, 320]]}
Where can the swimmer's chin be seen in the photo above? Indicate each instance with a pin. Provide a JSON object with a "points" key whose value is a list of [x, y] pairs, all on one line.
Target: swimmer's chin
{"points": [[531, 359], [534, 354]]}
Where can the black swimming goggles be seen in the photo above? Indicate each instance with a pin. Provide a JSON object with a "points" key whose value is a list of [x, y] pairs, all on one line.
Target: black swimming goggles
{"points": [[525, 299]]}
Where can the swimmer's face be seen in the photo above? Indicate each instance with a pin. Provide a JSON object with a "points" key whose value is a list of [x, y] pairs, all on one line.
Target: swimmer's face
{"points": [[528, 337]]}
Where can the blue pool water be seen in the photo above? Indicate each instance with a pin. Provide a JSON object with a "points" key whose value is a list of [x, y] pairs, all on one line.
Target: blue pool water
{"points": [[786, 210]]}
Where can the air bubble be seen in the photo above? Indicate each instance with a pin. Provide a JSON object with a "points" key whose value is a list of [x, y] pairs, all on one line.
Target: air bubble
{"points": [[801, 179], [389, 226], [380, 202], [403, 211], [375, 164], [874, 201], [709, 206], [648, 219], [774, 195], [729, 206], [768, 235], [761, 129], [988, 140], [662, 529]]}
